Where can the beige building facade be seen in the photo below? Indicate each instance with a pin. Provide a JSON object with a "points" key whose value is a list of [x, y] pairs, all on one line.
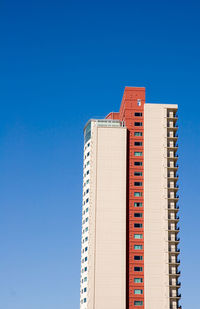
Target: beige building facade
{"points": [[129, 253]]}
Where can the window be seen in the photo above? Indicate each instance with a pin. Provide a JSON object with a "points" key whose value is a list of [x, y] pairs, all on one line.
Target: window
{"points": [[138, 184], [138, 124], [85, 300], [86, 248], [137, 153], [138, 280], [87, 191], [138, 236], [138, 303], [87, 181], [88, 172], [137, 173], [138, 143], [88, 144], [139, 102], [87, 200], [88, 162], [86, 210], [85, 268], [136, 204], [138, 215], [138, 134], [86, 259], [136, 268], [138, 258], [138, 114], [86, 229], [138, 163], [138, 225], [88, 154], [137, 194], [86, 220], [138, 247], [85, 289], [85, 279], [137, 291]]}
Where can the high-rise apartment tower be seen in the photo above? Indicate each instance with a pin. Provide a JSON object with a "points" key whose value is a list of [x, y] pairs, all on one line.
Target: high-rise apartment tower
{"points": [[129, 255]]}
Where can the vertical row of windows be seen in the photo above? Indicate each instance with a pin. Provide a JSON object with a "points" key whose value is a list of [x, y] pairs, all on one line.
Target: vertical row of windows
{"points": [[84, 267], [138, 143]]}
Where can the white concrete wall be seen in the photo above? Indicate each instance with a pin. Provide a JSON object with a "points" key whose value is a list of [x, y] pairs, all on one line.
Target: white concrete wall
{"points": [[107, 248], [156, 268]]}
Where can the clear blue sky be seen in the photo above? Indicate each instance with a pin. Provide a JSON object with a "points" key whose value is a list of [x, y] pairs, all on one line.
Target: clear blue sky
{"points": [[61, 63]]}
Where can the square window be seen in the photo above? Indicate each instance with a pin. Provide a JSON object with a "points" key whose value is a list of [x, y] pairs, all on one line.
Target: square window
{"points": [[138, 143], [138, 215], [138, 247], [138, 225], [136, 268], [137, 173], [138, 124], [138, 258], [138, 154], [138, 184], [138, 134], [138, 114], [136, 204], [137, 194], [137, 291], [138, 280], [138, 303], [138, 236], [138, 163]]}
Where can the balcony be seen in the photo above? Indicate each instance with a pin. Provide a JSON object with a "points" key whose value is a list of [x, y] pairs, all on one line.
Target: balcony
{"points": [[171, 127], [174, 230], [172, 177], [176, 251], [175, 188], [172, 117], [173, 198], [174, 241], [172, 147], [174, 137], [173, 167], [175, 209], [176, 262], [176, 274], [173, 158], [177, 285], [175, 297], [176, 219]]}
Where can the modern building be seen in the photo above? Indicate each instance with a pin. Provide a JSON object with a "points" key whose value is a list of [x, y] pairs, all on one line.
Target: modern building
{"points": [[129, 255]]}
